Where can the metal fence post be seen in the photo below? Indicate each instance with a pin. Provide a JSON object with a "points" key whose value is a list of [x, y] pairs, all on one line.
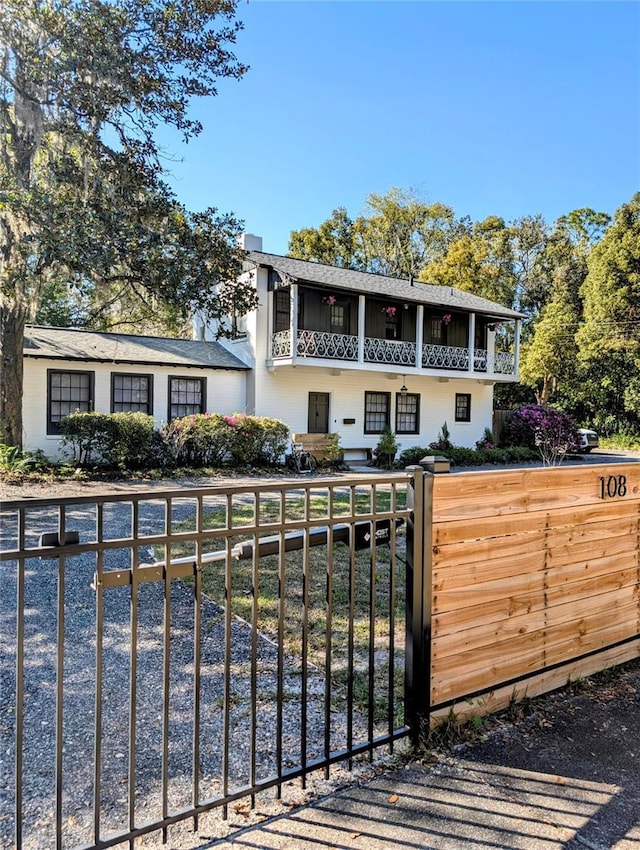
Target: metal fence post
{"points": [[419, 587]]}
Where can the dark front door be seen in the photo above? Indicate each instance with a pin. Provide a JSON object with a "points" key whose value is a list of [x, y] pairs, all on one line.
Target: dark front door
{"points": [[318, 413]]}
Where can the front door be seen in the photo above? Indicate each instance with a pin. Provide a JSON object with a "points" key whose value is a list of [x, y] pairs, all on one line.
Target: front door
{"points": [[318, 413]]}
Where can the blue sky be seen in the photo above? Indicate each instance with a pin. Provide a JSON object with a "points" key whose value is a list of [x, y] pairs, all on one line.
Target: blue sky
{"points": [[494, 108]]}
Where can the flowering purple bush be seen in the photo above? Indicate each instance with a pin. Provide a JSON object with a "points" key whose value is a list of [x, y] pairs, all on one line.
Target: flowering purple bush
{"points": [[552, 432]]}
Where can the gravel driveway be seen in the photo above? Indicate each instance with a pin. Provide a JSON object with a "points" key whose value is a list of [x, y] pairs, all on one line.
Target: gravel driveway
{"points": [[79, 711]]}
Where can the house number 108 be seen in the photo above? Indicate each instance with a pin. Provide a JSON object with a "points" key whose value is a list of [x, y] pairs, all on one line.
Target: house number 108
{"points": [[613, 486]]}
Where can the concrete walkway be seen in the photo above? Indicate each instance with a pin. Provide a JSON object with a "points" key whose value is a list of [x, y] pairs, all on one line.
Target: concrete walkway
{"points": [[564, 775], [460, 803]]}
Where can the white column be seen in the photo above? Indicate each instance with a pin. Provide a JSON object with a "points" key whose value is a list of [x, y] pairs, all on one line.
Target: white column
{"points": [[269, 324], [419, 335], [361, 323], [516, 348], [293, 322], [472, 340], [491, 352]]}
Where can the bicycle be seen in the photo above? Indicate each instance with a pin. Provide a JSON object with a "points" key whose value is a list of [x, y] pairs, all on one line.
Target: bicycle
{"points": [[300, 460]]}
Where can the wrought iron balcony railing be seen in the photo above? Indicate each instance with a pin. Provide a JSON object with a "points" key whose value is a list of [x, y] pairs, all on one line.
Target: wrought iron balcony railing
{"points": [[330, 346], [504, 363], [389, 351], [445, 357], [326, 345]]}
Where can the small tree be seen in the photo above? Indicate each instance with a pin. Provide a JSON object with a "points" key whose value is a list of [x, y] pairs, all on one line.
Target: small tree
{"points": [[553, 432], [385, 452]]}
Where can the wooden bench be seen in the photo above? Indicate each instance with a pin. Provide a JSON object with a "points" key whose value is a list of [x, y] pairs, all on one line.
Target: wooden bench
{"points": [[315, 444], [318, 444]]}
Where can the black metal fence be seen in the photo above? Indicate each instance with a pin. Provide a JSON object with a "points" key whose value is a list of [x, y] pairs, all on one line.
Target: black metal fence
{"points": [[167, 653]]}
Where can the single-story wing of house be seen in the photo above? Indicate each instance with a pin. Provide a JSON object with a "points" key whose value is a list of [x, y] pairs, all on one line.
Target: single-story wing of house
{"points": [[68, 370]]}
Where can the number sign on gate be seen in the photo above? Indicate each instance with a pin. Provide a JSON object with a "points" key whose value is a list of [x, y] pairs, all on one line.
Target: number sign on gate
{"points": [[613, 486]]}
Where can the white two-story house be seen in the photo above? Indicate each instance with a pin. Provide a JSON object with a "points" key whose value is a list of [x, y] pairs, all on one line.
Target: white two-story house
{"points": [[335, 350], [327, 350]]}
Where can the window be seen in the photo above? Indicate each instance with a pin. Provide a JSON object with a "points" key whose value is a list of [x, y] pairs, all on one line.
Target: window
{"points": [[338, 318], [238, 325], [67, 392], [436, 331], [391, 324], [376, 412], [463, 407], [186, 396], [407, 413], [281, 310], [131, 393]]}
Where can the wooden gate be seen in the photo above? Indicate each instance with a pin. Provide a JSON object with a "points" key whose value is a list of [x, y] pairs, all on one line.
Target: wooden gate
{"points": [[535, 581]]}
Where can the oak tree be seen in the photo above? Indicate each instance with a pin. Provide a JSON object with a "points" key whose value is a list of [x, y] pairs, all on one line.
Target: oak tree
{"points": [[84, 85]]}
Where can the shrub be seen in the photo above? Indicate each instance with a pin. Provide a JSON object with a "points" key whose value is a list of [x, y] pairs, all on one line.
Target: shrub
{"points": [[84, 434], [412, 456], [552, 432], [197, 440], [212, 439], [13, 460], [385, 452], [519, 454], [461, 456], [131, 439], [118, 440], [275, 439], [443, 444], [333, 453], [487, 441]]}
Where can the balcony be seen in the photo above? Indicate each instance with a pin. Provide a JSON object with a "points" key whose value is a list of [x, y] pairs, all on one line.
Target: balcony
{"points": [[344, 348]]}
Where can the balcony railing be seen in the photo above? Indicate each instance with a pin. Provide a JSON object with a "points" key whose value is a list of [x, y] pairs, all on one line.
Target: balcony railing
{"points": [[281, 344], [322, 344], [504, 363], [444, 357], [388, 352]]}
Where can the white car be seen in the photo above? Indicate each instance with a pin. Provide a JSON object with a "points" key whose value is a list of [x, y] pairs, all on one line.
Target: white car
{"points": [[588, 440]]}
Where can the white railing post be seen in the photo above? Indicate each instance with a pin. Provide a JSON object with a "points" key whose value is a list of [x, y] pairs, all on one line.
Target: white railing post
{"points": [[472, 342], [361, 327], [294, 321], [419, 334]]}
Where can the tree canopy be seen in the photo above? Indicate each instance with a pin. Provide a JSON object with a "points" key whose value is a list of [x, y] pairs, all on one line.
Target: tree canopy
{"points": [[577, 280], [84, 85]]}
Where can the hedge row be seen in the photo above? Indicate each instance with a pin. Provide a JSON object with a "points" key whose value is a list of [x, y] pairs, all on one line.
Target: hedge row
{"points": [[130, 440], [460, 456]]}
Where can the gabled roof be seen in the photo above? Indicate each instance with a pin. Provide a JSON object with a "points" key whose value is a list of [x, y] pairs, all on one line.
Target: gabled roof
{"points": [[380, 285], [83, 345]]}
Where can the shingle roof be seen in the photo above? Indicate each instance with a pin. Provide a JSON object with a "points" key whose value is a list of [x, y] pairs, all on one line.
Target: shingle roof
{"points": [[375, 284], [71, 344]]}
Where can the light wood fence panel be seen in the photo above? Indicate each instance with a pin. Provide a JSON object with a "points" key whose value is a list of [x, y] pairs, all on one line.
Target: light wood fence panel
{"points": [[536, 580]]}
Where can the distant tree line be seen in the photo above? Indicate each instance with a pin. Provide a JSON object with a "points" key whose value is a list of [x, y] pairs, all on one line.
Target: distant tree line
{"points": [[577, 280]]}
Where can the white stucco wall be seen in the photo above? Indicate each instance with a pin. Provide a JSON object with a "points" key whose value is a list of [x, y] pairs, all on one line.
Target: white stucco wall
{"points": [[285, 392], [226, 393]]}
